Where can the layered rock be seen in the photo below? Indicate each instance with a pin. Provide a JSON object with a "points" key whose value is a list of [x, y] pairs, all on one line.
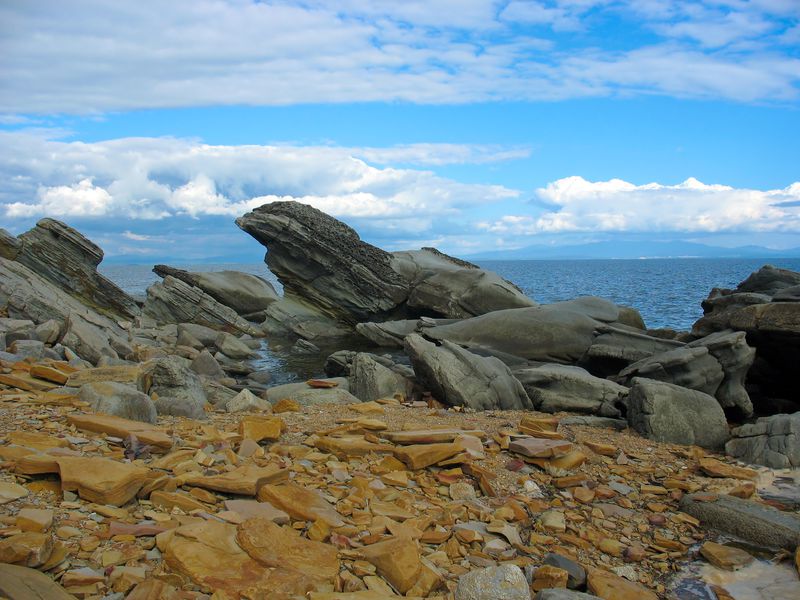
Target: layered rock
{"points": [[249, 295], [65, 257], [174, 301], [615, 347], [771, 441], [557, 333], [668, 413], [458, 377], [177, 389], [766, 306], [324, 262], [554, 388], [325, 268], [371, 380]]}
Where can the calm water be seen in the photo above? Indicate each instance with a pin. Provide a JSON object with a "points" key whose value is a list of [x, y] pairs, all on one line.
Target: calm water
{"points": [[667, 292]]}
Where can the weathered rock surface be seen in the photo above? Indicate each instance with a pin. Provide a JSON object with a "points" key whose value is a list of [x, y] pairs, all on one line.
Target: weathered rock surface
{"points": [[65, 257], [174, 301], [24, 583], [554, 388], [692, 368], [371, 380], [558, 333], [324, 262], [389, 333], [101, 480], [233, 347], [179, 390], [246, 401], [120, 400], [668, 413], [751, 521], [772, 441], [249, 295], [302, 393], [766, 308], [616, 346], [291, 315], [441, 285], [458, 377], [561, 594], [504, 582], [93, 337], [326, 268]]}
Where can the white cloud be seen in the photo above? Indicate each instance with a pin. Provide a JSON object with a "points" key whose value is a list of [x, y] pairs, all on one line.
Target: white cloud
{"points": [[155, 178], [441, 154], [97, 56], [579, 205]]}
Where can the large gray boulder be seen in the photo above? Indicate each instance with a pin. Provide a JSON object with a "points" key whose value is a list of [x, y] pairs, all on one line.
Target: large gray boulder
{"points": [[557, 333], [458, 377], [92, 337], [749, 520], [292, 316], [119, 399], [174, 301], [554, 388], [389, 334], [449, 287], [772, 441], [667, 413], [324, 262], [616, 346], [371, 380], [249, 295], [178, 390], [735, 356], [65, 257], [233, 347]]}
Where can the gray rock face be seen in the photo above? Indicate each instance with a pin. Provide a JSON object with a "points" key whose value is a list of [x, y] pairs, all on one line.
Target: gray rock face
{"points": [[173, 301], [120, 400], [731, 351], [9, 245], [504, 582], [614, 347], [249, 295], [370, 380], [389, 334], [692, 368], [448, 287], [192, 331], [771, 441], [49, 332], [302, 393], [765, 306], [291, 316], [179, 390], [93, 337], [558, 333], [246, 401], [206, 365], [27, 349], [324, 262], [749, 520], [232, 347], [63, 256], [554, 388], [668, 413], [458, 377]]}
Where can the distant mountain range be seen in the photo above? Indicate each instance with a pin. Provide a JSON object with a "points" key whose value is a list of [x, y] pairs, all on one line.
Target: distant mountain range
{"points": [[632, 250]]}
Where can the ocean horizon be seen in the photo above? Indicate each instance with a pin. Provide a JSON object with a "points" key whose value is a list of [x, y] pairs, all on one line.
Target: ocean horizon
{"points": [[667, 291]]}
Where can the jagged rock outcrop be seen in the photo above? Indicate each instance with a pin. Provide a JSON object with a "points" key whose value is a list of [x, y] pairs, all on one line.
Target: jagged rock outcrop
{"points": [[449, 287], [557, 333], [554, 388], [174, 301], [771, 441], [323, 262], [249, 295], [735, 356], [458, 377], [669, 413], [62, 255], [9, 245], [614, 347], [327, 269], [766, 306]]}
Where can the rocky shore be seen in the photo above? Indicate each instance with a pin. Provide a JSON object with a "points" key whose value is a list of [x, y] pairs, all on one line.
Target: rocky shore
{"points": [[487, 447]]}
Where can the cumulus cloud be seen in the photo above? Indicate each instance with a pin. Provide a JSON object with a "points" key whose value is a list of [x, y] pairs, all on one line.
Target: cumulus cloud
{"points": [[96, 56], [578, 205], [156, 178]]}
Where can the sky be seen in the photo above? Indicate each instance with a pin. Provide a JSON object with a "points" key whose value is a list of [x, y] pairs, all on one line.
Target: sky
{"points": [[469, 125]]}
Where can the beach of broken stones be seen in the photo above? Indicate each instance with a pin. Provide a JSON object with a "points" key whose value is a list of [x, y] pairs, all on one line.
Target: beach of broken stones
{"points": [[517, 451]]}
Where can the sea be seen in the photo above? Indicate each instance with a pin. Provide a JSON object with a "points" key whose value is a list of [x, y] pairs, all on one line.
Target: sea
{"points": [[666, 291]]}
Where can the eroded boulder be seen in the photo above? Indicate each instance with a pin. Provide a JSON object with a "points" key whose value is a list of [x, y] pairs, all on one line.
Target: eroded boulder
{"points": [[177, 389], [120, 400], [458, 377], [772, 441]]}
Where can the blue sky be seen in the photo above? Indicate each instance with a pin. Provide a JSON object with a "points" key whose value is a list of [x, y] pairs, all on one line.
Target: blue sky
{"points": [[469, 125]]}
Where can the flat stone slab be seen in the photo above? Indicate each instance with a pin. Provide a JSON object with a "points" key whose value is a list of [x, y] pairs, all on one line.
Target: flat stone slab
{"points": [[746, 519], [540, 448]]}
